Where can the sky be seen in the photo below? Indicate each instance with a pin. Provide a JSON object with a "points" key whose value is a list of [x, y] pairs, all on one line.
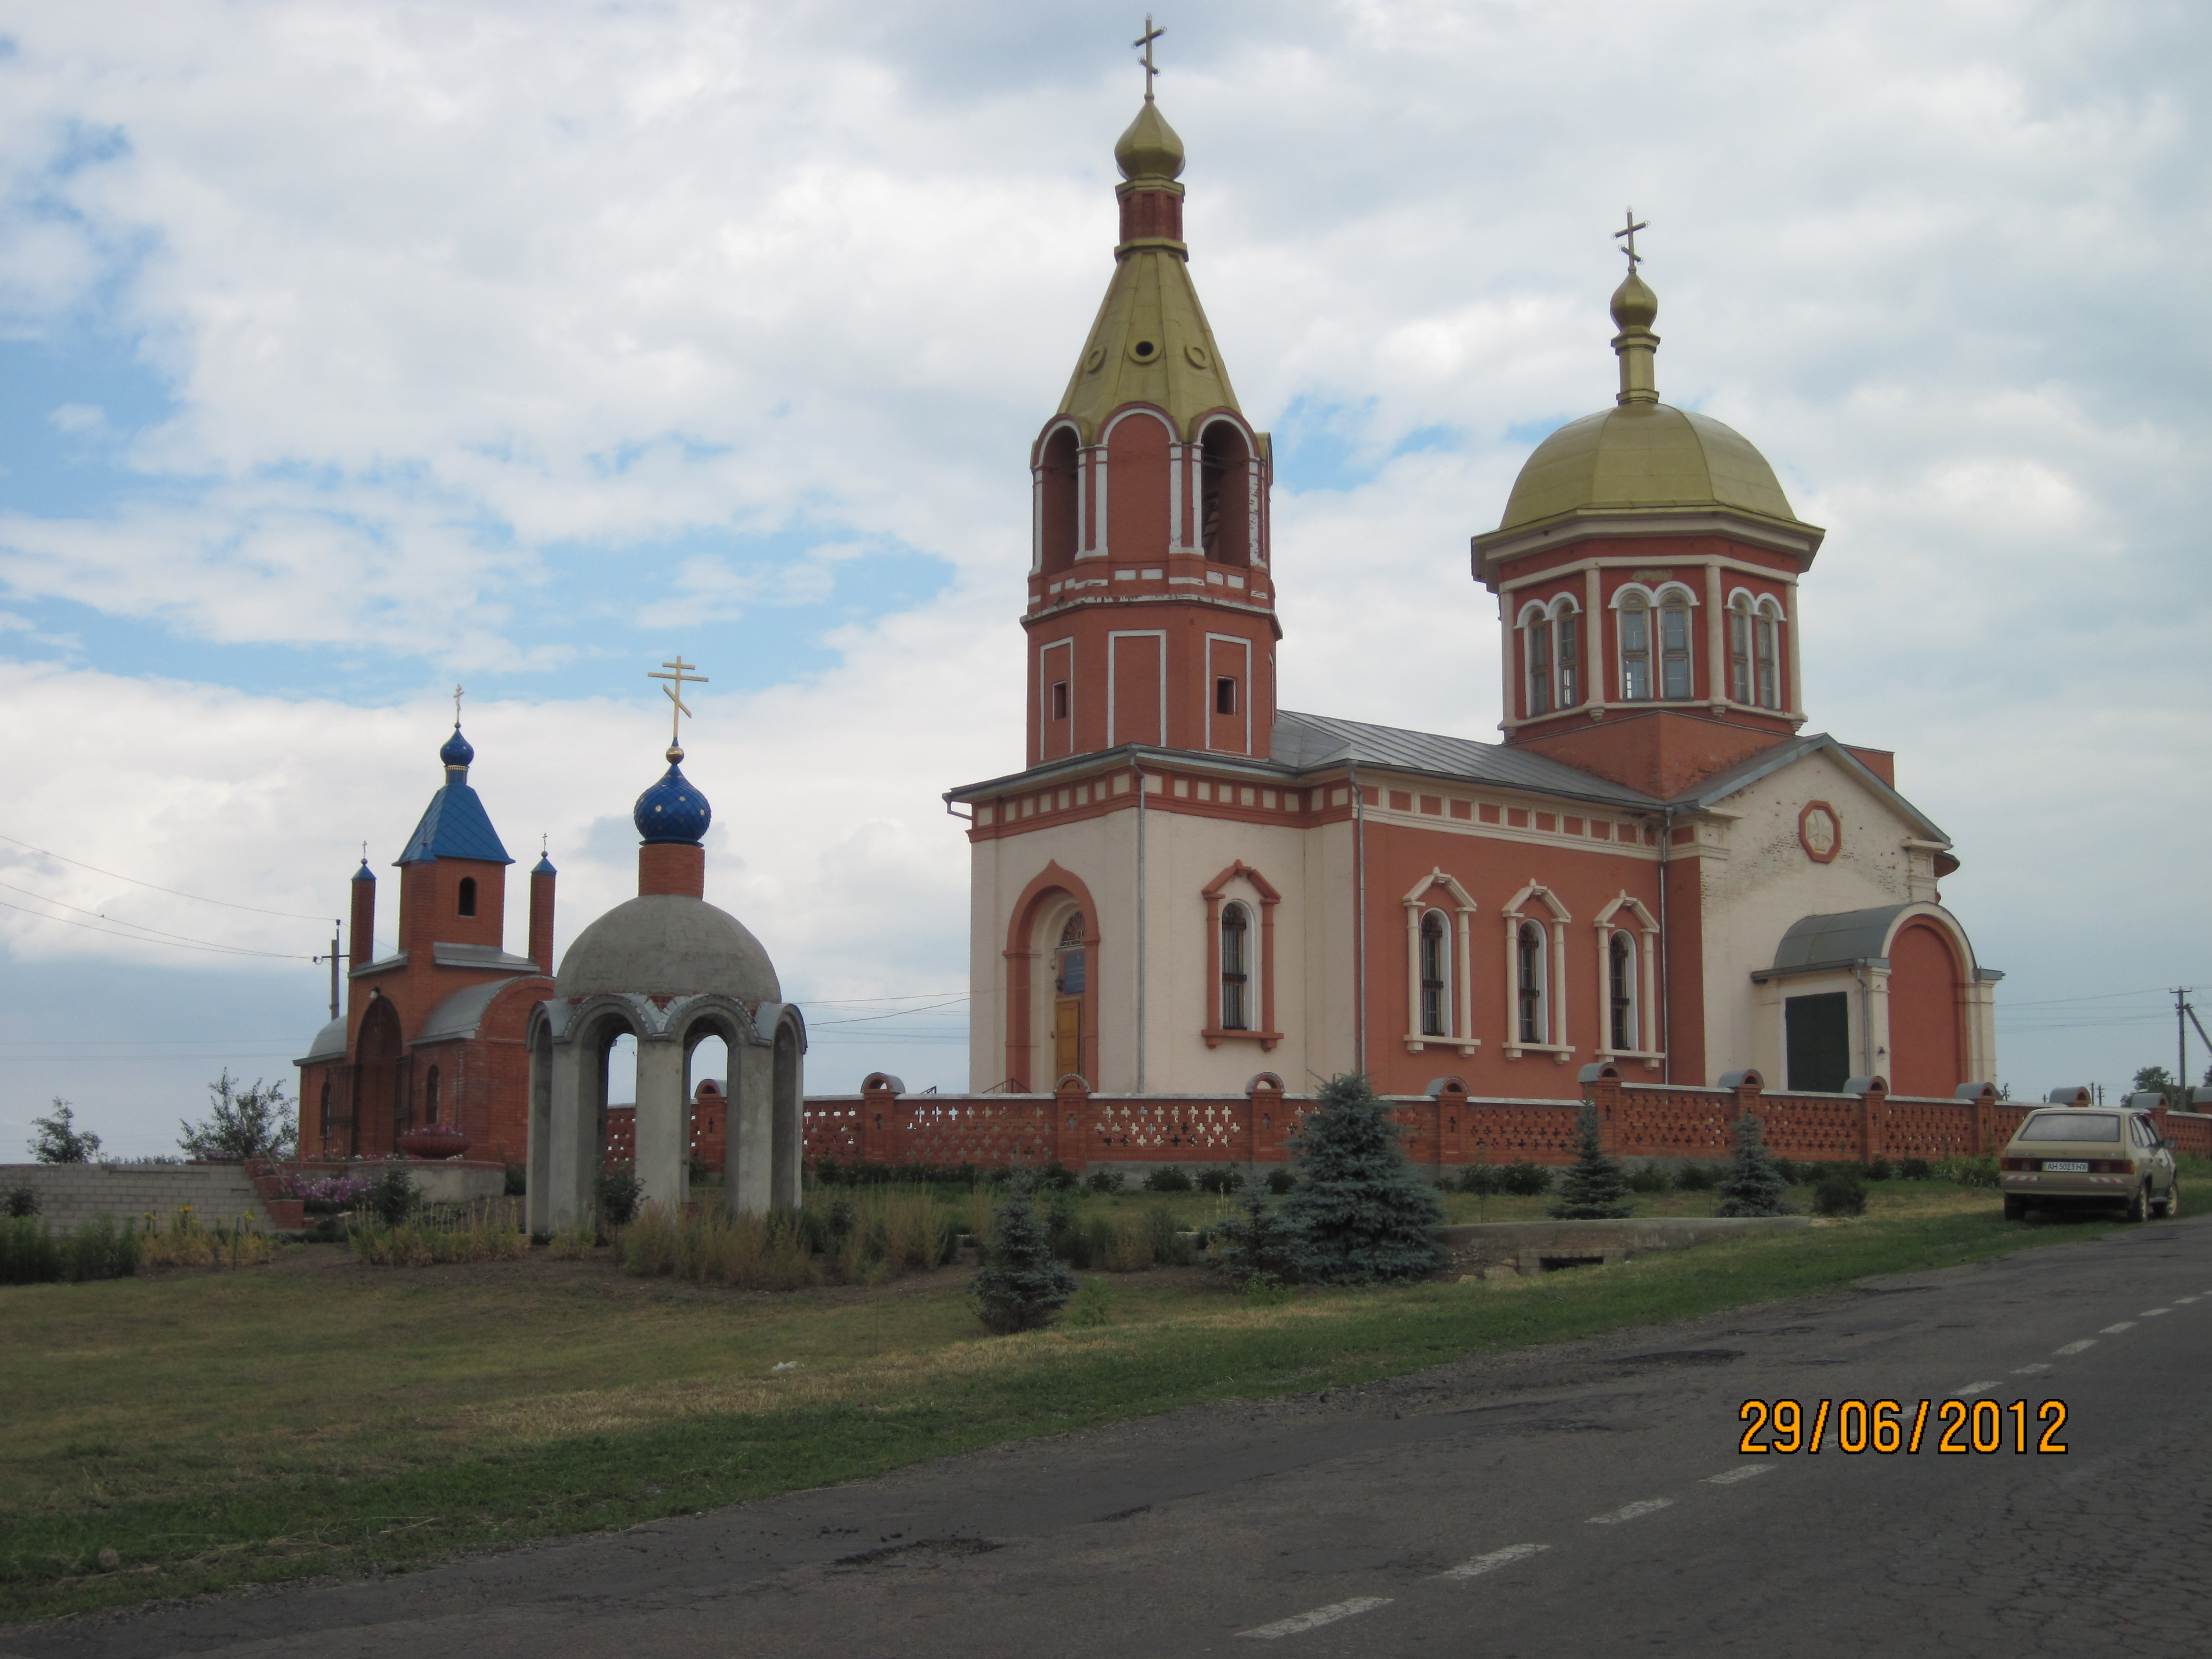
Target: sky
{"points": [[352, 351]]}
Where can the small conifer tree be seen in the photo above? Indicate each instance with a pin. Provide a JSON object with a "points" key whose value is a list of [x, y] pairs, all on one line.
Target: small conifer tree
{"points": [[1593, 1188], [1254, 1248], [1021, 1285], [1752, 1185], [1358, 1214]]}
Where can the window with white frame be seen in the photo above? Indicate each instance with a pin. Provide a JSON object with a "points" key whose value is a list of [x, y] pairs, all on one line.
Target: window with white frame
{"points": [[1740, 646], [1620, 986], [1436, 974], [1235, 968], [1674, 676], [1538, 632], [1567, 626], [1766, 654], [1532, 999], [1635, 648]]}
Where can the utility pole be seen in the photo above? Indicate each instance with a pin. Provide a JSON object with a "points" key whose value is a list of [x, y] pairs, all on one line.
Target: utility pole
{"points": [[2184, 1011], [333, 960]]}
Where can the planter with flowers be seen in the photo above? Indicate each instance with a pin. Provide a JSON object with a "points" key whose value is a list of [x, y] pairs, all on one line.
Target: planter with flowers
{"points": [[434, 1140]]}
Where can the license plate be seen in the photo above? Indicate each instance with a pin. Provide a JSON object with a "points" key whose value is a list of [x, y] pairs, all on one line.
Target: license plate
{"points": [[2075, 1166]]}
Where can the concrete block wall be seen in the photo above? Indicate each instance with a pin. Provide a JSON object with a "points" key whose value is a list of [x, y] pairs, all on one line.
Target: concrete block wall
{"points": [[69, 1193]]}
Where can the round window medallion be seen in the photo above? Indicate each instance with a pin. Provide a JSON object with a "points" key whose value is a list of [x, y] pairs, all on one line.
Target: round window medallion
{"points": [[1819, 832], [1098, 356], [1197, 356]]}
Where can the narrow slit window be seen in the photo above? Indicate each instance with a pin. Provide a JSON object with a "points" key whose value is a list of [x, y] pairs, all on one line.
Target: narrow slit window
{"points": [[1435, 989], [1235, 969], [1571, 660], [430, 1096], [1060, 699], [1621, 980], [1540, 665], [1225, 694], [1674, 649], [1635, 652], [1528, 961], [1739, 652], [1770, 690], [466, 900]]}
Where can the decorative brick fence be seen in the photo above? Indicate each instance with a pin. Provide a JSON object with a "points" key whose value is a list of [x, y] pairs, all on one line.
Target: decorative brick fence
{"points": [[1444, 1129]]}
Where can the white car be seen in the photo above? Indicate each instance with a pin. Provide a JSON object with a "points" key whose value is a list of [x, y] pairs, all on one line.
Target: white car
{"points": [[2069, 1155]]}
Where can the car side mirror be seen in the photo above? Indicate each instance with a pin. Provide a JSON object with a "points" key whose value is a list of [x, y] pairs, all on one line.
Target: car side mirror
{"points": [[2167, 1142]]}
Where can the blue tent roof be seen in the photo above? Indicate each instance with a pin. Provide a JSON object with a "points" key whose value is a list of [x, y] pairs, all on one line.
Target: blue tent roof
{"points": [[455, 826]]}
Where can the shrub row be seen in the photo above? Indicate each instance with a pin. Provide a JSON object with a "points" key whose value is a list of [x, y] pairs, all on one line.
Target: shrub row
{"points": [[31, 1252]]}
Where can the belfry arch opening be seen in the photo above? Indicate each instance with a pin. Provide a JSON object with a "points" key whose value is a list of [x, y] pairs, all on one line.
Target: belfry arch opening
{"points": [[1225, 514], [1057, 511]]}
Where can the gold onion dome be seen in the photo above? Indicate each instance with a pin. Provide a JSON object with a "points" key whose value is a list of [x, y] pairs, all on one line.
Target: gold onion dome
{"points": [[1150, 149], [1643, 456]]}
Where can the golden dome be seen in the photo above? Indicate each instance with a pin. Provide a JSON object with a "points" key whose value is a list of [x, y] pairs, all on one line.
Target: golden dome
{"points": [[1150, 149], [1634, 305], [1640, 456]]}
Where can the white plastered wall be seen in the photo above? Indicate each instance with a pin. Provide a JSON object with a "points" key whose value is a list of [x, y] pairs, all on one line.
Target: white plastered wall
{"points": [[1758, 880]]}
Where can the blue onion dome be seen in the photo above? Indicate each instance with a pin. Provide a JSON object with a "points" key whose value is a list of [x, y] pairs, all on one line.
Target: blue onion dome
{"points": [[457, 751], [545, 866], [364, 873], [671, 810]]}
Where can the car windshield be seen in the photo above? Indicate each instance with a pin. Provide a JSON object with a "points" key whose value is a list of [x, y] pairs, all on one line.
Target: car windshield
{"points": [[2071, 1125]]}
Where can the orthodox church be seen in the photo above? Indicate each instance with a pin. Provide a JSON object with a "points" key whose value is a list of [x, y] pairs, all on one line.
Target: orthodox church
{"points": [[1658, 867]]}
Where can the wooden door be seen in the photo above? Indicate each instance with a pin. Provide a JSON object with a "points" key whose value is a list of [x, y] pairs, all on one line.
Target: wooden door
{"points": [[1066, 1037]]}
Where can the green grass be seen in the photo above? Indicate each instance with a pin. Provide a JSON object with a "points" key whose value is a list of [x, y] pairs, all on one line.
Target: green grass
{"points": [[218, 1429]]}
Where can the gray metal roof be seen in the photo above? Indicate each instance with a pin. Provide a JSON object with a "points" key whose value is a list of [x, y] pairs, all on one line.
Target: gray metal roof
{"points": [[1843, 939], [330, 1043], [460, 1014], [1306, 742], [481, 956]]}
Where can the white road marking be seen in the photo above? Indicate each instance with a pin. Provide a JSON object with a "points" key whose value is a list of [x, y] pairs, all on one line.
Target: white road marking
{"points": [[2076, 1347], [2184, 1299], [1642, 1506], [1971, 1388], [2030, 1371], [2152, 1313], [1744, 1473], [2114, 1330], [1318, 1617], [1495, 1559]]}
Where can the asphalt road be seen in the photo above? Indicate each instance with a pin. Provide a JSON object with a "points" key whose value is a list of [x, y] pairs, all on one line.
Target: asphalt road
{"points": [[1587, 1499]]}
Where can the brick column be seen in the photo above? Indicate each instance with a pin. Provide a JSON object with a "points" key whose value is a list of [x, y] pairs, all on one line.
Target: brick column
{"points": [[1874, 1121], [1603, 1091], [880, 1134], [1263, 1097]]}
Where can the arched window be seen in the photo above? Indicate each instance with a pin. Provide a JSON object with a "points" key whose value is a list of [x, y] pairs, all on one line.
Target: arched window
{"points": [[1225, 495], [1069, 958], [1436, 975], [1635, 648], [1740, 647], [1766, 653], [430, 1096], [1529, 964], [468, 896], [1057, 497], [1538, 632], [1567, 622], [1235, 968], [1675, 677], [1620, 984]]}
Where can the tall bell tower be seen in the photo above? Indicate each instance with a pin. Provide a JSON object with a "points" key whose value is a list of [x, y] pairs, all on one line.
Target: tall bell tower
{"points": [[1151, 604]]}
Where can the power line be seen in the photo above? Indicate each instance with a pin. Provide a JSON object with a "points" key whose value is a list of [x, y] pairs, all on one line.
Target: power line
{"points": [[293, 916], [139, 938], [117, 921]]}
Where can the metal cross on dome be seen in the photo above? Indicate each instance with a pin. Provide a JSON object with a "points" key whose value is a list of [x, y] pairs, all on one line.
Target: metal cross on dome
{"points": [[1634, 225], [457, 708], [682, 677], [1145, 40]]}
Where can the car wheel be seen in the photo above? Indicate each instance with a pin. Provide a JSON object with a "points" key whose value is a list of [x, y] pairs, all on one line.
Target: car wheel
{"points": [[2015, 1208], [2138, 1204], [2170, 1205]]}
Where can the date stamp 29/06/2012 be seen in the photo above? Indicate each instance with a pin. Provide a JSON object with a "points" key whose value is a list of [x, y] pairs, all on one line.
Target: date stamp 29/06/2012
{"points": [[1889, 1426]]}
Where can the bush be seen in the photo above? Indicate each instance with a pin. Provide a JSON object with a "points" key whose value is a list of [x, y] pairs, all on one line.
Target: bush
{"points": [[1253, 1248], [475, 1236], [616, 1193], [517, 1181], [1967, 1171], [1840, 1192], [1798, 1172], [710, 1246], [1592, 1189], [1651, 1178], [1057, 1177], [392, 1197], [29, 1255], [1091, 1307], [1912, 1168], [59, 1140], [1524, 1180], [1280, 1181], [1107, 1181], [23, 1199], [33, 1254], [1021, 1287], [1169, 1178], [829, 1172], [1877, 1170], [1358, 1214], [1222, 1178], [252, 1122], [1752, 1186], [184, 1243], [1482, 1178], [1698, 1178], [1171, 1246]]}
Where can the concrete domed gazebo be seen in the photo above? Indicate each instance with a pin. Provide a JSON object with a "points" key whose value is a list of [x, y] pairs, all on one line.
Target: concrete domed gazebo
{"points": [[671, 969]]}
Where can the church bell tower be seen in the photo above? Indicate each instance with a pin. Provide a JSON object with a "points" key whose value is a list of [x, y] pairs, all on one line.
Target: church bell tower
{"points": [[1152, 605]]}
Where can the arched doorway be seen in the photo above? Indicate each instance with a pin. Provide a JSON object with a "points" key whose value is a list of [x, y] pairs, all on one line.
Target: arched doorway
{"points": [[1927, 1013], [379, 1100]]}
